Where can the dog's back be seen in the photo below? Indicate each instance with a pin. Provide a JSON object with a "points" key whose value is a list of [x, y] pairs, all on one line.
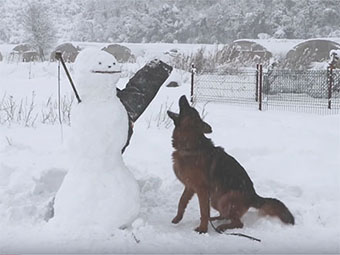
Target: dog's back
{"points": [[228, 174]]}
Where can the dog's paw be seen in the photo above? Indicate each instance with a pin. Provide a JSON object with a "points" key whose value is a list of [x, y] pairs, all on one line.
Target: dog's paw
{"points": [[176, 219], [220, 229], [201, 229]]}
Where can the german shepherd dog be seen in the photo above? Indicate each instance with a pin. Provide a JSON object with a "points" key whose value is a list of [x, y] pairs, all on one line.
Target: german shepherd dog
{"points": [[216, 177]]}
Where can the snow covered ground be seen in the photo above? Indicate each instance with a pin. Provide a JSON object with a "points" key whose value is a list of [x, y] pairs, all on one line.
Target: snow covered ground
{"points": [[290, 156]]}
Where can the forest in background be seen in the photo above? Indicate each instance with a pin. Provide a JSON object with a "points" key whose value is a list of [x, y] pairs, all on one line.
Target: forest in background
{"points": [[173, 21]]}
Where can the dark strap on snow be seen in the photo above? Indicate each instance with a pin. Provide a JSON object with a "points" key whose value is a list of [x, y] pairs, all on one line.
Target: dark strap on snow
{"points": [[234, 234]]}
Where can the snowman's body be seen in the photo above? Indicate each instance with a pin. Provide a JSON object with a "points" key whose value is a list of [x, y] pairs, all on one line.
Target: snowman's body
{"points": [[98, 191]]}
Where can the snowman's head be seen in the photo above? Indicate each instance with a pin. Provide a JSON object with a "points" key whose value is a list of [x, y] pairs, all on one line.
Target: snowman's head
{"points": [[97, 72], [96, 61]]}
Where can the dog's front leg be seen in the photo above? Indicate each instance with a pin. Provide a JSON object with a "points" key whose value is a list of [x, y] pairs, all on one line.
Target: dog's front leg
{"points": [[203, 198], [183, 202]]}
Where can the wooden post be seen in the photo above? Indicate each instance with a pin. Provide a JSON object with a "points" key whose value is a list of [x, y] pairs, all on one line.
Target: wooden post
{"points": [[59, 95], [257, 84], [260, 88], [330, 85], [192, 83]]}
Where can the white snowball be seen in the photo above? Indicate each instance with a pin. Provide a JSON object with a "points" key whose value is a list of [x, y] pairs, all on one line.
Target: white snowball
{"points": [[97, 73], [138, 223]]}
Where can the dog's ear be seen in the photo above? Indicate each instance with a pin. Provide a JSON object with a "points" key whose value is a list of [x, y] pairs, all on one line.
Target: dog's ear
{"points": [[173, 116], [206, 128], [183, 103]]}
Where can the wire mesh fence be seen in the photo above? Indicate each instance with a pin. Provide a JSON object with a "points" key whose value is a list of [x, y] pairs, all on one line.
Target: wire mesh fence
{"points": [[299, 90], [335, 100], [231, 86], [316, 91]]}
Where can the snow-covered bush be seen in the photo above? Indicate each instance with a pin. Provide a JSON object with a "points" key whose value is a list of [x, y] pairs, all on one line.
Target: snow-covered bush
{"points": [[202, 59], [25, 112]]}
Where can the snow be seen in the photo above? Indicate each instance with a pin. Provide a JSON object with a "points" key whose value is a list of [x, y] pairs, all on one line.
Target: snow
{"points": [[5, 49], [334, 52], [290, 156], [98, 184]]}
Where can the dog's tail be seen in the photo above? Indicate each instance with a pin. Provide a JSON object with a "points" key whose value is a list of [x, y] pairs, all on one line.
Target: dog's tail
{"points": [[273, 207]]}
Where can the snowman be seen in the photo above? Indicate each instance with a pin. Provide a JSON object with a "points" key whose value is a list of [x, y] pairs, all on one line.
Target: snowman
{"points": [[98, 192]]}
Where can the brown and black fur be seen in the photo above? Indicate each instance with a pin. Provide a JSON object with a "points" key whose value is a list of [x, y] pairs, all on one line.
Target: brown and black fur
{"points": [[216, 177]]}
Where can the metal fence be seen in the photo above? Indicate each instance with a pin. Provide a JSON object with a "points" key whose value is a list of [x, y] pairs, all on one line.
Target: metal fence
{"points": [[316, 91], [232, 86]]}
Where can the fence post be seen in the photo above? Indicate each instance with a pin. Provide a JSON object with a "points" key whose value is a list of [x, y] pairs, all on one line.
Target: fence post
{"points": [[257, 84], [330, 84], [260, 87], [192, 83]]}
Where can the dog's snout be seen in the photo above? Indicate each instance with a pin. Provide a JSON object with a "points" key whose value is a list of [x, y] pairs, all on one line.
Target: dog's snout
{"points": [[183, 103], [109, 66]]}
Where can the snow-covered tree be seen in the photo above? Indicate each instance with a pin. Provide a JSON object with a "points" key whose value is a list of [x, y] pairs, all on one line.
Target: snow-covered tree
{"points": [[197, 21], [39, 30]]}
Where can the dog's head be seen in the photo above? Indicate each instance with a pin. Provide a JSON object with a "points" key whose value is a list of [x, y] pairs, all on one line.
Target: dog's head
{"points": [[189, 119]]}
